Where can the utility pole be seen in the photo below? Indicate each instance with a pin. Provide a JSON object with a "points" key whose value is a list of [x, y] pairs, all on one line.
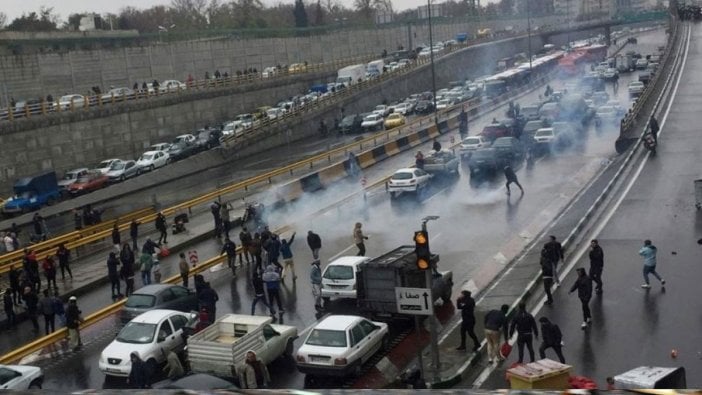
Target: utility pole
{"points": [[433, 329], [431, 54], [528, 9]]}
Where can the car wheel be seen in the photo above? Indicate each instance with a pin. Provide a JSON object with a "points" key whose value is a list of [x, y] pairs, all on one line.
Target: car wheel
{"points": [[50, 201], [385, 345], [357, 369], [289, 348], [169, 161], [122, 177], [151, 168], [36, 384], [152, 366]]}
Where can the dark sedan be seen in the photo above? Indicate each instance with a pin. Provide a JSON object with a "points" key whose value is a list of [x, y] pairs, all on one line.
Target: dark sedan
{"points": [[484, 161], [424, 107], [351, 124], [159, 296], [182, 150]]}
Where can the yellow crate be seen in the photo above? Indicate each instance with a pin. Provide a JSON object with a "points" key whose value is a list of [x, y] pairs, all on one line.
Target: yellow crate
{"points": [[544, 375]]}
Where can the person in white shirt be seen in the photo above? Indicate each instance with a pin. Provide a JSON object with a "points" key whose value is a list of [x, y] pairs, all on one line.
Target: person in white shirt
{"points": [[9, 244]]}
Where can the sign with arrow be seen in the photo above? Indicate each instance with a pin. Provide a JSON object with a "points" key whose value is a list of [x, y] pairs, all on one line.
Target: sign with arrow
{"points": [[414, 301]]}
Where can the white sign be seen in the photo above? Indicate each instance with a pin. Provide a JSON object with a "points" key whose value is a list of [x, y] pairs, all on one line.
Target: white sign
{"points": [[416, 301]]}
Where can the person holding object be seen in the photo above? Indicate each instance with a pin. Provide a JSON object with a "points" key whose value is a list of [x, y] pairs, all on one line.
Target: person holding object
{"points": [[648, 252], [496, 321], [583, 284], [359, 238]]}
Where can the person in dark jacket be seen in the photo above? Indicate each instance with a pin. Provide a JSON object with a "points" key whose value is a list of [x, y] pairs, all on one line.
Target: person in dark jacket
{"points": [[315, 244], [271, 278], [126, 272], [596, 264], [49, 267], [8, 304], [245, 239], [47, 309], [583, 284], [77, 219], [229, 247], [113, 274], [162, 227], [436, 146], [653, 125], [273, 249], [551, 336], [496, 321], [31, 300], [149, 247], [64, 256], [259, 294], [525, 325], [134, 234], [15, 286], [256, 250], [116, 237], [208, 299], [138, 376], [73, 320], [466, 304], [547, 276], [554, 254], [511, 177], [286, 252], [31, 267], [216, 208]]}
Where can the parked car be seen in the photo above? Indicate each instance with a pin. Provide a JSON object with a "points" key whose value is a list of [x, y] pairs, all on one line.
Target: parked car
{"points": [[545, 136], [635, 88], [424, 107], [186, 138], [172, 86], [408, 180], [495, 130], [372, 122], [70, 178], [394, 120], [472, 143], [119, 94], [152, 160], [530, 113], [483, 161], [91, 181], [351, 124], [339, 277], [20, 377], [532, 126], [104, 166], [444, 103], [152, 334], [549, 111], [339, 345], [269, 72], [275, 112], [120, 171], [159, 296], [382, 110], [641, 64], [610, 74], [403, 108], [645, 76], [182, 150], [160, 147], [68, 102], [208, 138]]}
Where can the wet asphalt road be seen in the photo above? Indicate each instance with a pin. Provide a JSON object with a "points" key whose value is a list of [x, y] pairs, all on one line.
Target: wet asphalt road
{"points": [[633, 326], [476, 219]]}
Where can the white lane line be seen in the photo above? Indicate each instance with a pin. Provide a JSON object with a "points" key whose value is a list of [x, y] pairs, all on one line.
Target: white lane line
{"points": [[342, 252], [485, 374]]}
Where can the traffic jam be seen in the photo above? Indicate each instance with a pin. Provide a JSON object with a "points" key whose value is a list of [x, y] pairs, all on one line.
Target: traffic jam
{"points": [[172, 336]]}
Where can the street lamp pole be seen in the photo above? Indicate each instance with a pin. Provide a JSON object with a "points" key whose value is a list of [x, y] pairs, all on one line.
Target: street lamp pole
{"points": [[528, 9], [431, 56]]}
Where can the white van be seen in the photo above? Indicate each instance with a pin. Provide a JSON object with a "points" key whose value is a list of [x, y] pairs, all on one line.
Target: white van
{"points": [[339, 277]]}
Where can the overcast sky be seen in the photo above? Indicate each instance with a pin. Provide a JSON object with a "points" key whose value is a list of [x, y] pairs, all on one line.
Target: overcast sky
{"points": [[15, 8]]}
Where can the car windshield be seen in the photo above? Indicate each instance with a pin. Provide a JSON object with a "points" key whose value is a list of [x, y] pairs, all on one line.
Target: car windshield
{"points": [[339, 272], [70, 176], [371, 118], [117, 166], [140, 301], [482, 154], [137, 333], [146, 157], [402, 175], [542, 133], [348, 120], [533, 125], [104, 164], [327, 338], [471, 140], [84, 179], [395, 116]]}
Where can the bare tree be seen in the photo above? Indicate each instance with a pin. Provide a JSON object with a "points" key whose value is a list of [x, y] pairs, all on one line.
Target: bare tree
{"points": [[3, 19]]}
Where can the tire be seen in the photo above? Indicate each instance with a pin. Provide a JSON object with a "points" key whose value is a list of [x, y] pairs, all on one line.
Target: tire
{"points": [[138, 173], [357, 369], [289, 348], [152, 367], [122, 177], [36, 384], [385, 345], [50, 201], [152, 168]]}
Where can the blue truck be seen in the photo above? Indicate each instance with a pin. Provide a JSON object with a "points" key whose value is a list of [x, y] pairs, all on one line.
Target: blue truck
{"points": [[31, 193]]}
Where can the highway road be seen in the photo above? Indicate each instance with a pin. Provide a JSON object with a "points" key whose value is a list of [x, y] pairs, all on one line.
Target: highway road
{"points": [[477, 218], [633, 326]]}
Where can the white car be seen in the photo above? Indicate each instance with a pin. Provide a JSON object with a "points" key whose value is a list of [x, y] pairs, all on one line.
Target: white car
{"points": [[105, 166], [120, 171], [339, 277], [151, 160], [617, 105], [408, 180], [402, 108], [472, 143], [20, 377], [160, 147], [275, 112], [172, 86], [545, 136], [152, 334], [610, 73], [65, 102], [636, 88], [382, 110], [339, 345], [118, 94], [444, 103], [269, 72], [373, 121], [232, 128], [185, 138]]}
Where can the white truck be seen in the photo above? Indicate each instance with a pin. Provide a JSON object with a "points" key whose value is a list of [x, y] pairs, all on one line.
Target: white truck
{"points": [[350, 75], [375, 68], [220, 349]]}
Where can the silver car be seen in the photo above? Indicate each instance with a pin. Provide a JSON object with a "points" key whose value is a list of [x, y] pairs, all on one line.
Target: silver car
{"points": [[159, 296], [120, 171], [70, 178]]}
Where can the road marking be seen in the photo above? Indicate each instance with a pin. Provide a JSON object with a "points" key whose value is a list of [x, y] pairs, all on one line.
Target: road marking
{"points": [[342, 252]]}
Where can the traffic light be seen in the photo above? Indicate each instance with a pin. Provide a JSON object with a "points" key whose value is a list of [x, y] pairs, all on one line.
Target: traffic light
{"points": [[421, 248]]}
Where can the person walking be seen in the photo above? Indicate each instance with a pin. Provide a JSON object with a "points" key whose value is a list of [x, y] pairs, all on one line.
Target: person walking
{"points": [[272, 280], [116, 237], [113, 275], [525, 325], [162, 227], [596, 264], [359, 238], [134, 234], [315, 244], [184, 269], [286, 252], [31, 267], [551, 338], [496, 321], [229, 248], [59, 310], [466, 304], [215, 208], [49, 267], [257, 250], [259, 294], [316, 281], [208, 299], [253, 374], [547, 275], [653, 125], [8, 304], [73, 321], [46, 304], [583, 284], [127, 274], [64, 256], [554, 254], [138, 375], [272, 247], [648, 252], [146, 262], [15, 287], [31, 300], [511, 178], [245, 239], [226, 220]]}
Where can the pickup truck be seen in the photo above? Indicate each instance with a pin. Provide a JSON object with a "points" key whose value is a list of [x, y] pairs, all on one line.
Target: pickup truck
{"points": [[444, 161], [31, 193], [221, 348]]}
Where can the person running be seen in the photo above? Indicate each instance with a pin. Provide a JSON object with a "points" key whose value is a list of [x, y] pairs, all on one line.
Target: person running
{"points": [[359, 238], [554, 254], [525, 325], [648, 252], [286, 252], [511, 177], [466, 304], [547, 276], [596, 264], [496, 321], [229, 248], [315, 244], [551, 338], [316, 281], [583, 284]]}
